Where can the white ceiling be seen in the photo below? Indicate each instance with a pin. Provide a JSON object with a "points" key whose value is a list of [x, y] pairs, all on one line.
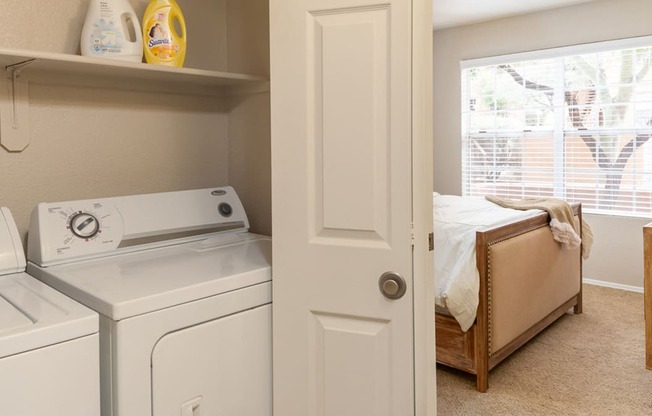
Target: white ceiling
{"points": [[449, 13]]}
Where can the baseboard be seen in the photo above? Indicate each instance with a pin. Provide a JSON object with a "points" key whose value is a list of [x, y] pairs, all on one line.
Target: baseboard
{"points": [[629, 288]]}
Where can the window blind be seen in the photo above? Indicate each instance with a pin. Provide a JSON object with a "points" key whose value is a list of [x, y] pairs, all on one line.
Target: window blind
{"points": [[574, 126]]}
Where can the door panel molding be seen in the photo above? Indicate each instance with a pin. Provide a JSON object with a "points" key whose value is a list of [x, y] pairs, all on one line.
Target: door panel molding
{"points": [[349, 177], [347, 352]]}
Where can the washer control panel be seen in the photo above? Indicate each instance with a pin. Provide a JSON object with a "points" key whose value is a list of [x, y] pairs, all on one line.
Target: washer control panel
{"points": [[61, 232], [77, 229]]}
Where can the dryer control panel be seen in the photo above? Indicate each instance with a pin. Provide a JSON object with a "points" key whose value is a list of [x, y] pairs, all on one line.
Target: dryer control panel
{"points": [[61, 232]]}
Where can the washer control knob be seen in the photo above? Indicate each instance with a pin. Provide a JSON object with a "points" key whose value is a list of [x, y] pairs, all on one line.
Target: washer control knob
{"points": [[84, 225]]}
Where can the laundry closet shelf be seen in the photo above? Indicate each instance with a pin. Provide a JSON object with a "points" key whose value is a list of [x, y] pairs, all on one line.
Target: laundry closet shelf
{"points": [[64, 69], [26, 67]]}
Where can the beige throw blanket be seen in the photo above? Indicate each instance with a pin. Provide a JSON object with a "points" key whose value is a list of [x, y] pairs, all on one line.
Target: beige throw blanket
{"points": [[562, 222]]}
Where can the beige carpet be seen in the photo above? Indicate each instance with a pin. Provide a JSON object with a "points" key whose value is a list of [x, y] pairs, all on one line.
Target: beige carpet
{"points": [[588, 364]]}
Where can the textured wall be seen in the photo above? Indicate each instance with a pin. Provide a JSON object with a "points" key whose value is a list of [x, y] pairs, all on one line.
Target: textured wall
{"points": [[250, 159], [618, 242], [52, 26], [92, 142]]}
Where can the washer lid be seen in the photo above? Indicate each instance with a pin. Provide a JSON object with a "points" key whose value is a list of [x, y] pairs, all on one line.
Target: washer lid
{"points": [[33, 315], [12, 257], [135, 283]]}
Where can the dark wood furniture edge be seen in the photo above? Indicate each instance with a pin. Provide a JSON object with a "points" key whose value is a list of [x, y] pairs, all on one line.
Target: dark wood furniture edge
{"points": [[647, 292]]}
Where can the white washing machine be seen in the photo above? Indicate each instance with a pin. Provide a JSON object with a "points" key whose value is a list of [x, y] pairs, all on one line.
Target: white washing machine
{"points": [[184, 296], [49, 356]]}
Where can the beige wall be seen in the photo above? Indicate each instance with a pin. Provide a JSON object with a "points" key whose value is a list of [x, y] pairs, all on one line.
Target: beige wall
{"points": [[617, 253], [250, 158], [93, 142]]}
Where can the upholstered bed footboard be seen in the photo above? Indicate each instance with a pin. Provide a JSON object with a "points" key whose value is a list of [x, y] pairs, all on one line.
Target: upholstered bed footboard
{"points": [[529, 276], [527, 281]]}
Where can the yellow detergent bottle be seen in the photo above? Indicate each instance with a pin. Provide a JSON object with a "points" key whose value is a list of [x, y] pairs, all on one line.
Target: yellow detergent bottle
{"points": [[162, 42]]}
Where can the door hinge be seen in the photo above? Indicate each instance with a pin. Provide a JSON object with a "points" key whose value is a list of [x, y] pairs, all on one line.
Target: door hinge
{"points": [[412, 233], [431, 242]]}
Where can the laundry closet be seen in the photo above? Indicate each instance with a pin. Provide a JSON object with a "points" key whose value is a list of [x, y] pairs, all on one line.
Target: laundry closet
{"points": [[348, 72], [74, 128], [109, 131]]}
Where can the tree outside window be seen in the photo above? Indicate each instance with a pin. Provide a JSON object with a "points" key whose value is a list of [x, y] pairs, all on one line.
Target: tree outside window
{"points": [[573, 127]]}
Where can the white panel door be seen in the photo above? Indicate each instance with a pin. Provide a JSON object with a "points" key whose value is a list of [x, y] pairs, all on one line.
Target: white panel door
{"points": [[341, 99]]}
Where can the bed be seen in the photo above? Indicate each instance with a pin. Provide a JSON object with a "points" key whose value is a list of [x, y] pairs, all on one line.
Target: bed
{"points": [[522, 281]]}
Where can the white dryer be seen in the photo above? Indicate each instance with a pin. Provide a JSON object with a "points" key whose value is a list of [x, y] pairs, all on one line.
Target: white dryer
{"points": [[49, 357], [184, 296]]}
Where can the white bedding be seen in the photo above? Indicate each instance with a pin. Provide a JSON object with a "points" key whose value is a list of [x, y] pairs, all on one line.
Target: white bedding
{"points": [[456, 220]]}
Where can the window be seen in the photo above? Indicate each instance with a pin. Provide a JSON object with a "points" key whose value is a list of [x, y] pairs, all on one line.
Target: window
{"points": [[572, 123]]}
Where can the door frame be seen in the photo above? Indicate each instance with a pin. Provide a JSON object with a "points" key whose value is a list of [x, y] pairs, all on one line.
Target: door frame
{"points": [[422, 183]]}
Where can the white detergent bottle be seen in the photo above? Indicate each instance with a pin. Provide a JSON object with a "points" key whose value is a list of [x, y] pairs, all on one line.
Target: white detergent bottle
{"points": [[112, 31]]}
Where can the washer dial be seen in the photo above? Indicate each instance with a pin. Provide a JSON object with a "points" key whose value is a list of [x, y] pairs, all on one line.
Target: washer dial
{"points": [[84, 225]]}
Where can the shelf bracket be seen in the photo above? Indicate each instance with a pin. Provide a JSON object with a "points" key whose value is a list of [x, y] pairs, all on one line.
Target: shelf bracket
{"points": [[14, 108]]}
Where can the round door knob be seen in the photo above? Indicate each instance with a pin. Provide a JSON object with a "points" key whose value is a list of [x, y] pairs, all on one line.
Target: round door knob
{"points": [[392, 285]]}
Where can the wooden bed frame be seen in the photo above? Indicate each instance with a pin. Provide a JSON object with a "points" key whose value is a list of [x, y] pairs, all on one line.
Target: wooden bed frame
{"points": [[527, 281]]}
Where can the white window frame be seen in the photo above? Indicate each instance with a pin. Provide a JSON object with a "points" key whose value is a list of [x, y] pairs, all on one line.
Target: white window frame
{"points": [[579, 49]]}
